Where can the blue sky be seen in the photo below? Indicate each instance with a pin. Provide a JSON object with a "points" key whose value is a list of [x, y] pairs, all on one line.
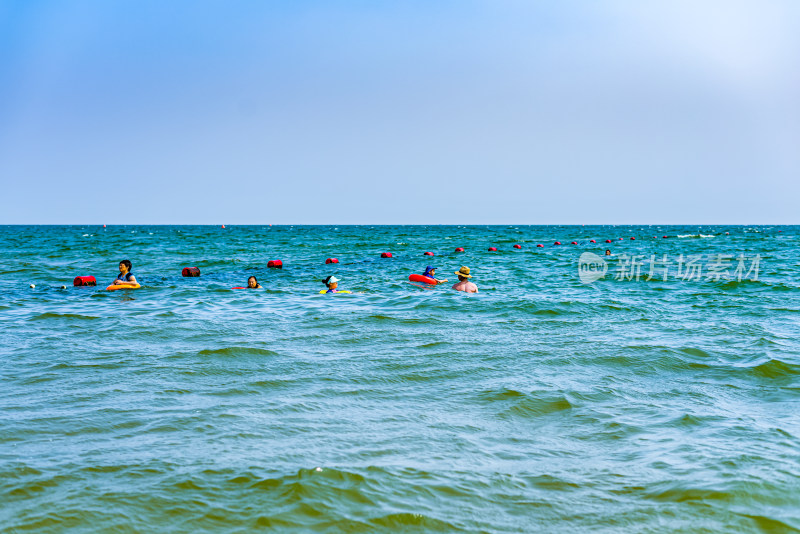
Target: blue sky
{"points": [[412, 112]]}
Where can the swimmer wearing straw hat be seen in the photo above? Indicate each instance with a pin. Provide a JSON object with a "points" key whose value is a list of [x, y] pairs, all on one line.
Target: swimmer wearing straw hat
{"points": [[463, 281]]}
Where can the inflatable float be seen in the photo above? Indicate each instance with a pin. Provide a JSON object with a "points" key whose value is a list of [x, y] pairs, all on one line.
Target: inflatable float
{"points": [[422, 279], [117, 287], [324, 291]]}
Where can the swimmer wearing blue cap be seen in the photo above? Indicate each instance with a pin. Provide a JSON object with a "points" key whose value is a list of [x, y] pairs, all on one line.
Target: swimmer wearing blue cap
{"points": [[430, 272]]}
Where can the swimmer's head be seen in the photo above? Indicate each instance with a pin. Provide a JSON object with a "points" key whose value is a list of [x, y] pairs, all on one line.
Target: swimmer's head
{"points": [[608, 252], [125, 266], [429, 271], [332, 282], [463, 273], [252, 282]]}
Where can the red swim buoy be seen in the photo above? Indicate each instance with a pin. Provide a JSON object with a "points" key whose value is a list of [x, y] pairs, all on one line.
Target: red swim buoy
{"points": [[104, 226], [223, 226], [619, 239], [331, 260], [608, 241], [727, 233], [557, 243], [492, 249], [574, 243], [386, 254], [517, 246], [592, 241], [666, 236], [460, 249], [539, 245], [275, 264], [84, 281], [429, 253], [633, 239], [190, 272]]}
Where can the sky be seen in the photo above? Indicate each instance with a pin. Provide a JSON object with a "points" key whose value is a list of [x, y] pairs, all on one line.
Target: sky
{"points": [[405, 112]]}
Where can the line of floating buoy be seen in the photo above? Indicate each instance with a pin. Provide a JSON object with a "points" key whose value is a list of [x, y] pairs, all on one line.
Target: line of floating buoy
{"points": [[517, 246], [386, 254], [492, 249], [428, 253], [331, 260], [275, 264]]}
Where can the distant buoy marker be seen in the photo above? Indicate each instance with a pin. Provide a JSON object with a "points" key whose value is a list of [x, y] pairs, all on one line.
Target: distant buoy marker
{"points": [[517, 246], [386, 254]]}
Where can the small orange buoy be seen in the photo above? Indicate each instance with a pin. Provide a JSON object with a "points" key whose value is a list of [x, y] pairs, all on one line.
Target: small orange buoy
{"points": [[223, 226]]}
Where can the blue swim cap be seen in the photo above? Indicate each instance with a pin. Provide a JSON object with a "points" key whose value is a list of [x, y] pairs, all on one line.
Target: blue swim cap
{"points": [[428, 270]]}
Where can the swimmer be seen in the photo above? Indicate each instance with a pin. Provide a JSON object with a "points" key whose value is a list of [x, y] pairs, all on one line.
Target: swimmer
{"points": [[463, 281], [608, 252], [430, 272], [333, 283], [252, 283], [125, 275]]}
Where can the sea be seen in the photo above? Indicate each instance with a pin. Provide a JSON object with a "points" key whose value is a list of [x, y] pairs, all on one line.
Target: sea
{"points": [[651, 388]]}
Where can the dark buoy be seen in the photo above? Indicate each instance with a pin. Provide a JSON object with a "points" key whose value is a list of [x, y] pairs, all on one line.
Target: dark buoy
{"points": [[275, 264], [429, 253], [574, 243], [492, 249], [517, 246], [331, 260], [608, 241], [557, 243], [592, 241], [84, 281], [633, 239], [190, 272], [386, 254], [539, 245], [460, 249]]}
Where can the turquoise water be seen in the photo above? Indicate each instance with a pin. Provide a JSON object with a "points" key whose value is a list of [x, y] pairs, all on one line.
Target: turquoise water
{"points": [[539, 404]]}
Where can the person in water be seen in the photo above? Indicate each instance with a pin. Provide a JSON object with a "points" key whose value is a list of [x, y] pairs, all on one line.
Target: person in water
{"points": [[252, 283], [333, 283], [430, 272], [608, 252], [125, 275], [463, 281]]}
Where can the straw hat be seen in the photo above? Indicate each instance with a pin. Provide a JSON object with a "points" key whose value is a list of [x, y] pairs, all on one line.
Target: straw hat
{"points": [[464, 271]]}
